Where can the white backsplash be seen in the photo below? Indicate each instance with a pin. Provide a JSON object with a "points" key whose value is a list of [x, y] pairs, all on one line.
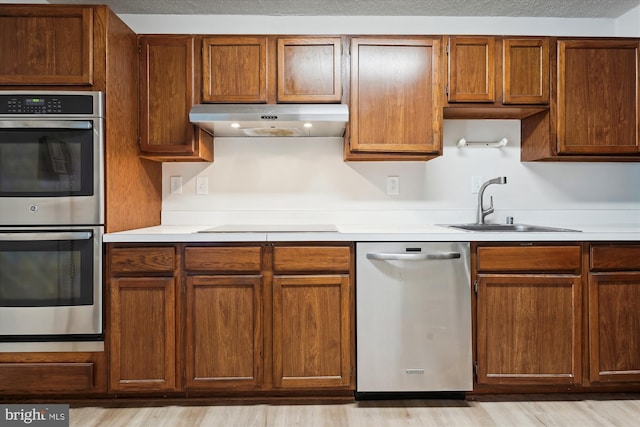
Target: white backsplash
{"points": [[307, 181]]}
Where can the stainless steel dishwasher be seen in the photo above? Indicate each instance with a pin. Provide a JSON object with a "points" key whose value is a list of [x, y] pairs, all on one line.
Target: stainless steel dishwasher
{"points": [[413, 317]]}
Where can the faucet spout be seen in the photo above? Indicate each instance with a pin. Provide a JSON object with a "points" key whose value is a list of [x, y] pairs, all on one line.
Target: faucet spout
{"points": [[482, 212]]}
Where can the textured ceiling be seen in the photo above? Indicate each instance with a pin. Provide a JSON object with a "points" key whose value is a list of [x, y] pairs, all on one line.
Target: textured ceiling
{"points": [[515, 8]]}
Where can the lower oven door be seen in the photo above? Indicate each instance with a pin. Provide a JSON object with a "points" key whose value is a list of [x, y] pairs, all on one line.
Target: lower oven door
{"points": [[51, 284]]}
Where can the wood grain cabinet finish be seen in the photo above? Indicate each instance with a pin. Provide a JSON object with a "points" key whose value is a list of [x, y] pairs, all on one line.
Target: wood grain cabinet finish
{"points": [[46, 45], [529, 315], [142, 318], [396, 102], [614, 318], [472, 68], [311, 331], [270, 69], [53, 373], [224, 333], [525, 71], [309, 69], [268, 317], [234, 69], [169, 87], [598, 90], [480, 69], [223, 318]]}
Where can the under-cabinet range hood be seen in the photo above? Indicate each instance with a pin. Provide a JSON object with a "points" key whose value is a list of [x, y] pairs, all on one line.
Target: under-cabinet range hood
{"points": [[271, 120]]}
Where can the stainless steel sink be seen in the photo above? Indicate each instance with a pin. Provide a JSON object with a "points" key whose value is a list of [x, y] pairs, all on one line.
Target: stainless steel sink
{"points": [[510, 228]]}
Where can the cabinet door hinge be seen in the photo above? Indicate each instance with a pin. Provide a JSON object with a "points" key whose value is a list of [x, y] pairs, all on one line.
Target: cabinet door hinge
{"points": [[447, 47], [475, 369], [446, 90], [475, 286], [139, 48]]}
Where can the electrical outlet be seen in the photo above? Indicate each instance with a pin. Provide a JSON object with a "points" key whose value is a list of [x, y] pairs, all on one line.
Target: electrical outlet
{"points": [[202, 185], [393, 185], [175, 185], [476, 183]]}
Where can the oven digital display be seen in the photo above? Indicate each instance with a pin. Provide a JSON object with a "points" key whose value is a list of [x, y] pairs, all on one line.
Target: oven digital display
{"points": [[34, 101]]}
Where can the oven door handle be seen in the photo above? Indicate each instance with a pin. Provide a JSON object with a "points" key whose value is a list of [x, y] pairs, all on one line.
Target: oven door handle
{"points": [[55, 235], [57, 124], [412, 257]]}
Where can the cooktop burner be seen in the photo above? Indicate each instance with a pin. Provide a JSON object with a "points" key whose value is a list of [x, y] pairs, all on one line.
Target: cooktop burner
{"points": [[271, 228]]}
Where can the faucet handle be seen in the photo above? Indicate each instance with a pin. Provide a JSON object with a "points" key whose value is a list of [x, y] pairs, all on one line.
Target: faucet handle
{"points": [[490, 209]]}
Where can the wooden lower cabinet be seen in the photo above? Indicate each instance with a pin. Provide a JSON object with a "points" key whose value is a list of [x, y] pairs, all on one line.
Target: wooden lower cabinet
{"points": [[142, 316], [311, 331], [53, 373], [528, 306], [614, 314], [268, 318], [529, 329], [224, 332]]}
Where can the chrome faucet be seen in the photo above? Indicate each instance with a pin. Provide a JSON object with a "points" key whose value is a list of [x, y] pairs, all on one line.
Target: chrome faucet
{"points": [[482, 212]]}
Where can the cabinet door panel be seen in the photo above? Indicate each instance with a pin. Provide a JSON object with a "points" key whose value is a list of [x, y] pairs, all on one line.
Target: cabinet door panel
{"points": [[234, 69], [143, 334], [598, 97], [309, 69], [472, 69], [395, 96], [311, 331], [224, 338], [525, 71], [614, 327], [529, 330], [169, 87], [46, 46]]}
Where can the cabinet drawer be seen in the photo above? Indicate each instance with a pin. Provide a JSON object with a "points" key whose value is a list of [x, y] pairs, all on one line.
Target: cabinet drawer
{"points": [[529, 258], [46, 377], [143, 260], [234, 259], [310, 258], [615, 257]]}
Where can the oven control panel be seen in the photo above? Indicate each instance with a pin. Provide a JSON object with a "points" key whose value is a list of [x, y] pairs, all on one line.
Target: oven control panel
{"points": [[46, 104]]}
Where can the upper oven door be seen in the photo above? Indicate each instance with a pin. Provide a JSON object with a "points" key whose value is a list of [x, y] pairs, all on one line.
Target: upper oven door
{"points": [[51, 171]]}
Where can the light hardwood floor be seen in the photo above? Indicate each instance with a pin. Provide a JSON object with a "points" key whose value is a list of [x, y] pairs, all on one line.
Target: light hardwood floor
{"points": [[518, 411]]}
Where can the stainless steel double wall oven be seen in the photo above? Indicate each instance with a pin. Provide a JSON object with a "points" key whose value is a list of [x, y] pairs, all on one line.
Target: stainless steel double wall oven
{"points": [[51, 216]]}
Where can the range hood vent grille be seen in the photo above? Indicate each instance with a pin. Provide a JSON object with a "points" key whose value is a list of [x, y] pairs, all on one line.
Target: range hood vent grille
{"points": [[271, 120]]}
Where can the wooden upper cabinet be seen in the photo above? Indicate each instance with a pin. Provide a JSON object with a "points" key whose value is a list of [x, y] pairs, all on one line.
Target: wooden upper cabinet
{"points": [[396, 103], [234, 69], [309, 69], [270, 69], [598, 97], [46, 45], [481, 68], [525, 71], [471, 69], [169, 87]]}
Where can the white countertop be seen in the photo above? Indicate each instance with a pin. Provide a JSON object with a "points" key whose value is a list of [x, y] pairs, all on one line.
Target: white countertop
{"points": [[370, 232]]}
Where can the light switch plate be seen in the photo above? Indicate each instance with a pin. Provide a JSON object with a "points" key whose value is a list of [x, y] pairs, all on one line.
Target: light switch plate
{"points": [[175, 185]]}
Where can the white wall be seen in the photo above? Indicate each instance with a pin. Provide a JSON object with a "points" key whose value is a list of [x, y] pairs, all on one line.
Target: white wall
{"points": [[628, 25], [307, 175]]}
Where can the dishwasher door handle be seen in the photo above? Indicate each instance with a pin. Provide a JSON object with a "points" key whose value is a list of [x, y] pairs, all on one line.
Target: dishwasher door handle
{"points": [[412, 257]]}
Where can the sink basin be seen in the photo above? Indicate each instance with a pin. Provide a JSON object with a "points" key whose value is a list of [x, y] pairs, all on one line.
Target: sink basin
{"points": [[510, 228]]}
